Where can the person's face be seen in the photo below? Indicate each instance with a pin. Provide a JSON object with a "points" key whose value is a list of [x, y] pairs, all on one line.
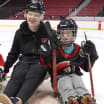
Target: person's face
{"points": [[66, 36], [33, 18]]}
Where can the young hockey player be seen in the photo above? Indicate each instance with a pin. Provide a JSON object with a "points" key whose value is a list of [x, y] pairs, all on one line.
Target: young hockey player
{"points": [[70, 60], [28, 73]]}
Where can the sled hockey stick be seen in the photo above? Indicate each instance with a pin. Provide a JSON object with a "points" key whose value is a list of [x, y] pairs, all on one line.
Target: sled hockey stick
{"points": [[48, 27], [90, 71], [54, 72]]}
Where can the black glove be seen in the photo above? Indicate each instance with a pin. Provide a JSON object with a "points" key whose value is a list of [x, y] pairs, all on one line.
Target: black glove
{"points": [[2, 76], [89, 48], [52, 35], [54, 40], [1, 70]]}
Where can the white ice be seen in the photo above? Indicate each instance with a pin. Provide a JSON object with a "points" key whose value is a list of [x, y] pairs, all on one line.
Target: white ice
{"points": [[6, 38]]}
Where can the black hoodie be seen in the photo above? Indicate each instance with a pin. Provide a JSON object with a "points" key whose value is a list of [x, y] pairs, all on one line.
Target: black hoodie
{"points": [[26, 43]]}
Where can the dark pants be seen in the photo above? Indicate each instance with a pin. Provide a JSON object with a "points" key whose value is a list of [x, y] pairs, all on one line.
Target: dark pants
{"points": [[26, 77]]}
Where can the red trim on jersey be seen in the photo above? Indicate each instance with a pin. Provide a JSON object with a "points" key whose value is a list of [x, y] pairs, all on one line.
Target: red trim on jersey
{"points": [[67, 55], [2, 63], [62, 65], [43, 63]]}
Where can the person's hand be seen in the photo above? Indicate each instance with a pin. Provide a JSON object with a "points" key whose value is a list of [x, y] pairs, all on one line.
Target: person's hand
{"points": [[88, 47], [70, 69], [1, 71], [2, 76], [53, 36]]}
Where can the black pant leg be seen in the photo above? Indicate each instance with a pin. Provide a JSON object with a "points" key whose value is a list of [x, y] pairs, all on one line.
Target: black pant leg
{"points": [[33, 79], [17, 79]]}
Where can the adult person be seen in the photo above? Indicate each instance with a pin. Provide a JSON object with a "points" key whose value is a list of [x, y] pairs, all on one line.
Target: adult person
{"points": [[28, 73]]}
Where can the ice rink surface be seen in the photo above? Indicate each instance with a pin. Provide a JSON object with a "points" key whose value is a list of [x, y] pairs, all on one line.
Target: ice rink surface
{"points": [[6, 38]]}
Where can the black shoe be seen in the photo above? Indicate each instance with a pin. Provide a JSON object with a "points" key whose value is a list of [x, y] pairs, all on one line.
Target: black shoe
{"points": [[14, 100]]}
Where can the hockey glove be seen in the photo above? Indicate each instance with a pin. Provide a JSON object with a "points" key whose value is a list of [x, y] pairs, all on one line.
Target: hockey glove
{"points": [[1, 70], [54, 40], [3, 76], [52, 35], [89, 48]]}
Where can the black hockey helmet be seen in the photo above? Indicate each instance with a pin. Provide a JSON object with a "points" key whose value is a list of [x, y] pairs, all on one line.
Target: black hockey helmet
{"points": [[37, 7], [68, 24]]}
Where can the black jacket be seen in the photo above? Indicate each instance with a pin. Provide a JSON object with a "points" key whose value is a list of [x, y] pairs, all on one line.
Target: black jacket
{"points": [[74, 58], [26, 43]]}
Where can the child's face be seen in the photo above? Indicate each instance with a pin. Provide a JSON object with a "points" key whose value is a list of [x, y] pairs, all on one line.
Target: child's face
{"points": [[66, 36]]}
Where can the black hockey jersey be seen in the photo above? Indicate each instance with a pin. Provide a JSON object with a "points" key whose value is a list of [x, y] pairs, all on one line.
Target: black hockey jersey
{"points": [[63, 59]]}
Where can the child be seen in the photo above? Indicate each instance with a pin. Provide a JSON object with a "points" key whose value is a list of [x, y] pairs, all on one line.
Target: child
{"points": [[70, 59]]}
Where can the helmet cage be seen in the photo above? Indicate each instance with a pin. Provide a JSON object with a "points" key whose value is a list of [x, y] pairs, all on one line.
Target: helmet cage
{"points": [[67, 42], [67, 25]]}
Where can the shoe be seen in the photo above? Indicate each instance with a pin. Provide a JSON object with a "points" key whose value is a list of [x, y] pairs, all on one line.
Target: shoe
{"points": [[14, 100], [86, 99], [72, 100], [8, 100]]}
